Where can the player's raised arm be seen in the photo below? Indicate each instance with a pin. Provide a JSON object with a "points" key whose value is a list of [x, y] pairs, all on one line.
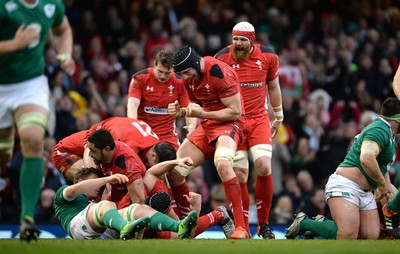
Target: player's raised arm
{"points": [[87, 186]]}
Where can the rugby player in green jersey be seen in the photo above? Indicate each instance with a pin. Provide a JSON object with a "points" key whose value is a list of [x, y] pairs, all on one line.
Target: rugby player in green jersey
{"points": [[83, 217], [24, 90], [349, 191]]}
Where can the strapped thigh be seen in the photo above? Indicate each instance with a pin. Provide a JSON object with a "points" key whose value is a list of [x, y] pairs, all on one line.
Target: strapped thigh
{"points": [[130, 211], [32, 119]]}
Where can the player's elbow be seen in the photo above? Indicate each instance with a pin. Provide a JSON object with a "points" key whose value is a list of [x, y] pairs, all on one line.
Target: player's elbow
{"points": [[237, 112], [367, 160]]}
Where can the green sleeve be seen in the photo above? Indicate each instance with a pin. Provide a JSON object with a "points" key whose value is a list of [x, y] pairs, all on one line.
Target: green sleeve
{"points": [[60, 13]]}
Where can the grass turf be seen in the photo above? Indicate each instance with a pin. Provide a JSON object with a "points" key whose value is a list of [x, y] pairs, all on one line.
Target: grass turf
{"points": [[68, 246]]}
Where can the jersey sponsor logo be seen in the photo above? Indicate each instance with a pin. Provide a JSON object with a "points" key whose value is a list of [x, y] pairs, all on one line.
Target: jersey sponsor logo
{"points": [[251, 84], [171, 90], [49, 10], [157, 111], [11, 6], [149, 88]]}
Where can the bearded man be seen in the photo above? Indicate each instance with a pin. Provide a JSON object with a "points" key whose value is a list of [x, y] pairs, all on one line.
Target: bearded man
{"points": [[257, 68]]}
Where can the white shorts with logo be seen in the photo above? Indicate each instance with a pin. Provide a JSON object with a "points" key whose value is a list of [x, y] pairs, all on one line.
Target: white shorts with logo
{"points": [[12, 96], [80, 228], [340, 186]]}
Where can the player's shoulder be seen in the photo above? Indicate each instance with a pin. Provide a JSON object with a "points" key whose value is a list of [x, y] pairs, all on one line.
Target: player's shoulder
{"points": [[178, 76], [141, 73], [222, 53], [215, 67], [120, 161], [265, 49]]}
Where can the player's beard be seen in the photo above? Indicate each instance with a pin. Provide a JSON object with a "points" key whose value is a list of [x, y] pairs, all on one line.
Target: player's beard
{"points": [[99, 160], [240, 54]]}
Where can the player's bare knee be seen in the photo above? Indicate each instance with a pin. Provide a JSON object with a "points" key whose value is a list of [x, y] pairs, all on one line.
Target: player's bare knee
{"points": [[100, 209], [347, 234], [263, 171], [242, 174], [31, 129], [225, 170]]}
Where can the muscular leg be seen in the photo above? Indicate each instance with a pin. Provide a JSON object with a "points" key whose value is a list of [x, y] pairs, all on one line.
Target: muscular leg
{"points": [[241, 169], [31, 122], [369, 224], [177, 182], [105, 214], [223, 159], [264, 191], [346, 216]]}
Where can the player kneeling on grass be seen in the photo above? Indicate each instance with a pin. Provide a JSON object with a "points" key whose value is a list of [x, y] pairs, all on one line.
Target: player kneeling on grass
{"points": [[83, 218]]}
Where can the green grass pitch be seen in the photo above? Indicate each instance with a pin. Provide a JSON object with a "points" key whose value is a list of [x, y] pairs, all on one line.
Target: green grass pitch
{"points": [[68, 246]]}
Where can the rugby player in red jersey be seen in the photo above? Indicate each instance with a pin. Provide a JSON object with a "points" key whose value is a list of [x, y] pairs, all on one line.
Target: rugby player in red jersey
{"points": [[139, 136], [150, 92], [257, 68], [68, 154], [214, 92], [115, 157]]}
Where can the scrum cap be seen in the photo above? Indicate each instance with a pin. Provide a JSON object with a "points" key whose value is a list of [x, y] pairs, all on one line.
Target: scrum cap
{"points": [[246, 30], [185, 58]]}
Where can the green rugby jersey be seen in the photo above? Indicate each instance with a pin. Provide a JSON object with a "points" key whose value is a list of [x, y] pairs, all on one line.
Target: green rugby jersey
{"points": [[27, 63], [66, 210], [380, 132]]}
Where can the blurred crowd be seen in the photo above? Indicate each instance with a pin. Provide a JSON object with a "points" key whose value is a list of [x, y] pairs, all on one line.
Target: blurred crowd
{"points": [[337, 61]]}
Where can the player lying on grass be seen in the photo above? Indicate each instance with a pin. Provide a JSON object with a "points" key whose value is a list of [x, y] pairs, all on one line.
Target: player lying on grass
{"points": [[116, 157], [83, 218]]}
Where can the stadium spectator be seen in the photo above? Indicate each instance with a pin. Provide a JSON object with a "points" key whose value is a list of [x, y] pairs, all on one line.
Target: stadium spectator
{"points": [[282, 213]]}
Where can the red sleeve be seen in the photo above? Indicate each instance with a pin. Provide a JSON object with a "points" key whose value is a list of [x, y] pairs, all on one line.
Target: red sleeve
{"points": [[135, 88], [183, 96], [273, 72]]}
